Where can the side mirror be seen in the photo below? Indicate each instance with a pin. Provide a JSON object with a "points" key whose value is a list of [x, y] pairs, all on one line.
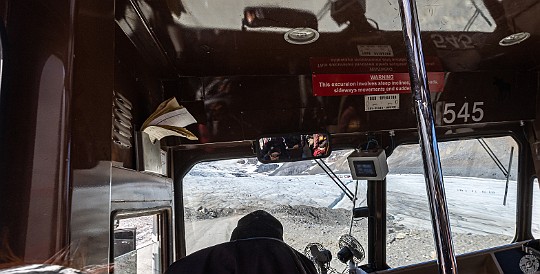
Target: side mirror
{"points": [[293, 147]]}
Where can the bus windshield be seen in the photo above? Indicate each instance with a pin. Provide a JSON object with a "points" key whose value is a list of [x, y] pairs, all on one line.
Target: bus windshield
{"points": [[313, 209]]}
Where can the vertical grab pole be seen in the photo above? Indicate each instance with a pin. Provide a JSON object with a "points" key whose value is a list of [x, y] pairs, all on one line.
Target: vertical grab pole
{"points": [[428, 141]]}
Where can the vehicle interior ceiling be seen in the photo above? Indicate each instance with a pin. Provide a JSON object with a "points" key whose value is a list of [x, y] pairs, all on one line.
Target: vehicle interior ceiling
{"points": [[242, 73], [242, 76]]}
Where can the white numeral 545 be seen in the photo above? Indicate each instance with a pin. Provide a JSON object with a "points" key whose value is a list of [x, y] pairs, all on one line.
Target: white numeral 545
{"points": [[476, 113]]}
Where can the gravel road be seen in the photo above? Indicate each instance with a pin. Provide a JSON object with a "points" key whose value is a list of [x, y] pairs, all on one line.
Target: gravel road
{"points": [[304, 225]]}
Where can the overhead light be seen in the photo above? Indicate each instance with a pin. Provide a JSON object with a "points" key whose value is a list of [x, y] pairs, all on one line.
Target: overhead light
{"points": [[515, 38], [301, 36]]}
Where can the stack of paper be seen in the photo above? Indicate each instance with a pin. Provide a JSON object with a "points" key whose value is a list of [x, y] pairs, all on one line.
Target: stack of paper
{"points": [[169, 119]]}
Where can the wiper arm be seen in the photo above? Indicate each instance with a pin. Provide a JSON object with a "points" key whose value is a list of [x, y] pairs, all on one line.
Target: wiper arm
{"points": [[477, 12], [336, 180], [505, 171]]}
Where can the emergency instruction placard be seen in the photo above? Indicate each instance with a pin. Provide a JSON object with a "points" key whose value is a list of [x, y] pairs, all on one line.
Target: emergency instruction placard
{"points": [[369, 75], [364, 84]]}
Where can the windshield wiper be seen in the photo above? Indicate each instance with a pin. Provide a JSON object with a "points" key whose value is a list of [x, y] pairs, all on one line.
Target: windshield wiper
{"points": [[336, 179], [506, 172], [477, 12]]}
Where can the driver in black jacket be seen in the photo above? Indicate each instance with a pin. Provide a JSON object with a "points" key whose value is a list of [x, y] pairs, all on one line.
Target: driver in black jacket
{"points": [[256, 247]]}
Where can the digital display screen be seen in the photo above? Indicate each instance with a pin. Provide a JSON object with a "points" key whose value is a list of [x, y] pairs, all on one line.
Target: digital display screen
{"points": [[365, 169]]}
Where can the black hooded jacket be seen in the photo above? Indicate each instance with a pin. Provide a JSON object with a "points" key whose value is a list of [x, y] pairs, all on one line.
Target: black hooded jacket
{"points": [[256, 247]]}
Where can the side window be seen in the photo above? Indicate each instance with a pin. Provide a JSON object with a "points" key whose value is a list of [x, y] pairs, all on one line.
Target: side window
{"points": [[536, 209], [137, 244], [481, 204]]}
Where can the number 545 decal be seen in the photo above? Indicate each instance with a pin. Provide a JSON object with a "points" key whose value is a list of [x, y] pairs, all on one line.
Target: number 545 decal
{"points": [[463, 113]]}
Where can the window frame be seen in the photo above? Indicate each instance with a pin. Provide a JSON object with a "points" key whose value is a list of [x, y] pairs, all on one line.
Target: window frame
{"points": [[525, 171], [164, 231]]}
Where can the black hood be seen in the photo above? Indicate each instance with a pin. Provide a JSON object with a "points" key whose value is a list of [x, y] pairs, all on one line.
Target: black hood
{"points": [[258, 224]]}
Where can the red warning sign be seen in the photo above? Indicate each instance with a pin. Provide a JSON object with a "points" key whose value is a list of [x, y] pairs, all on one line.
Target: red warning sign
{"points": [[369, 75], [365, 84]]}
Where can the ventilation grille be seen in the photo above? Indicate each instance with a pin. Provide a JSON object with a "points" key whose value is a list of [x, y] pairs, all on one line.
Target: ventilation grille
{"points": [[122, 121]]}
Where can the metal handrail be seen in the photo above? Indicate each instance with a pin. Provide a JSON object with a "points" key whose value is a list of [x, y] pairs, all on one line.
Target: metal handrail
{"points": [[428, 141]]}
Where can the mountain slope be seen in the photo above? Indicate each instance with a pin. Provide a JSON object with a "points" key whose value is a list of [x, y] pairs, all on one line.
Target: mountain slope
{"points": [[465, 158]]}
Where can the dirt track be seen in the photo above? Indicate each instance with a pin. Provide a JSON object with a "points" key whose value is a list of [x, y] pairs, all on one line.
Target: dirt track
{"points": [[304, 225]]}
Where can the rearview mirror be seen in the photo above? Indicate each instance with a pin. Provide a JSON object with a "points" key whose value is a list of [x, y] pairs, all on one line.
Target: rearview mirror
{"points": [[293, 147], [277, 17]]}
